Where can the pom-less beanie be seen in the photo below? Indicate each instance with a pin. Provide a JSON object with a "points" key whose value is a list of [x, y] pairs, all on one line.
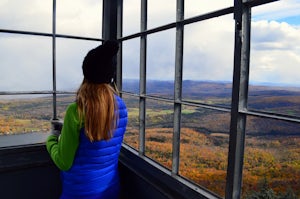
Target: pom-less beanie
{"points": [[98, 65]]}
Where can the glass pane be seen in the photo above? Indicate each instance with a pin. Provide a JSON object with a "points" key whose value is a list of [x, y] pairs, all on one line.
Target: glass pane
{"points": [[131, 65], [62, 102], [25, 114], [198, 7], [272, 159], [80, 18], [27, 15], [161, 64], [204, 146], [208, 61], [131, 16], [159, 131], [161, 13], [70, 54], [275, 99], [275, 58], [131, 136], [26, 63]]}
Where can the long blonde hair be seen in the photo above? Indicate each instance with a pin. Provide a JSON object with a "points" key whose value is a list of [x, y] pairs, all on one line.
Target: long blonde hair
{"points": [[96, 109]]}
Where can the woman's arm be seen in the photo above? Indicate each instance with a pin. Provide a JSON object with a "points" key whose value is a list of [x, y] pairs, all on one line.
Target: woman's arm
{"points": [[62, 149]]}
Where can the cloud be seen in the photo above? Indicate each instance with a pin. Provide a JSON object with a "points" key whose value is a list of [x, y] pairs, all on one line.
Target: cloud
{"points": [[132, 10], [69, 58], [165, 12], [202, 43], [73, 17], [79, 17], [209, 48], [275, 54], [208, 45], [25, 63], [273, 35], [277, 11], [194, 8], [21, 15]]}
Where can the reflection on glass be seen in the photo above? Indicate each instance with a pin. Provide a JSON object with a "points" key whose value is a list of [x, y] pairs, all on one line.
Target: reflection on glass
{"points": [[204, 146], [161, 64], [25, 63], [80, 18], [25, 114], [159, 132], [272, 158], [131, 136], [131, 65]]}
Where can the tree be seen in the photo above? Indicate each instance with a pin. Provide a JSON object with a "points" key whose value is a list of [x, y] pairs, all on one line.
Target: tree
{"points": [[289, 194], [264, 192]]}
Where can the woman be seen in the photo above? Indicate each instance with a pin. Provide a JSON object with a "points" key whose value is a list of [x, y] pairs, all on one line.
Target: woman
{"points": [[88, 147]]}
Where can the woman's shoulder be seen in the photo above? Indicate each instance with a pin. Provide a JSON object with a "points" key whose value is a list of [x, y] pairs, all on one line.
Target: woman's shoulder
{"points": [[121, 102], [72, 110], [72, 107], [122, 108]]}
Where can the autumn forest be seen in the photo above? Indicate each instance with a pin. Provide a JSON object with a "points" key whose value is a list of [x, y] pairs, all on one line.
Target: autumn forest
{"points": [[272, 147]]}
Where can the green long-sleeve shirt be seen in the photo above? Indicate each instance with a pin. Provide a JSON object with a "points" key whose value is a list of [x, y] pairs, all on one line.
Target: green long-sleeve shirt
{"points": [[62, 149]]}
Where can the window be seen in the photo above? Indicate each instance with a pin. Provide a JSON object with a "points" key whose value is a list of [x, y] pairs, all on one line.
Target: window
{"points": [[272, 149], [80, 18], [211, 97], [212, 89], [40, 69], [16, 15]]}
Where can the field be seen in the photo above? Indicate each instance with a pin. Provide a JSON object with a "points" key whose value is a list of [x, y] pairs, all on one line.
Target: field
{"points": [[272, 151]]}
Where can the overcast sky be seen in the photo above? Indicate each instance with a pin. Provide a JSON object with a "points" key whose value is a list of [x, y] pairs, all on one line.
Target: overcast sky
{"points": [[26, 61]]}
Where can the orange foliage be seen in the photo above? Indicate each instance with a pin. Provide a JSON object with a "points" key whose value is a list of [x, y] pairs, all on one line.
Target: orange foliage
{"points": [[206, 164]]}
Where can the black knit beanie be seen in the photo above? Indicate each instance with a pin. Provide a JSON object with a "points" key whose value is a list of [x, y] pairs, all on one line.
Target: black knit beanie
{"points": [[98, 65]]}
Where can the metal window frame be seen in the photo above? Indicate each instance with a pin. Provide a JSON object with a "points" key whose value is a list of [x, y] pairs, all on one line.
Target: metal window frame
{"points": [[142, 86], [112, 29], [178, 87], [239, 112], [239, 100], [53, 35]]}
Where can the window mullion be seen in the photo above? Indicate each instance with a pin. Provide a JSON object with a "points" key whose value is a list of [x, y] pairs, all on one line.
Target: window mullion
{"points": [[119, 75], [143, 62], [54, 58], [178, 87], [239, 100]]}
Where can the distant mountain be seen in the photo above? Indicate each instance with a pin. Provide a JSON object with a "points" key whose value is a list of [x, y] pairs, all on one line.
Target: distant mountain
{"points": [[273, 99], [201, 90], [207, 88]]}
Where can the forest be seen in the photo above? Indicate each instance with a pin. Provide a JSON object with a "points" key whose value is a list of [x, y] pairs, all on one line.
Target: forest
{"points": [[272, 148], [271, 159]]}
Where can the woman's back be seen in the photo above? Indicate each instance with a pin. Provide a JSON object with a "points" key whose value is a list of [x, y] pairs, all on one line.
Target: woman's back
{"points": [[94, 173], [87, 149]]}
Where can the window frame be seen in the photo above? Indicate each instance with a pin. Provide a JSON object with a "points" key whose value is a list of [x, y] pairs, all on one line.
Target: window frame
{"points": [[113, 14]]}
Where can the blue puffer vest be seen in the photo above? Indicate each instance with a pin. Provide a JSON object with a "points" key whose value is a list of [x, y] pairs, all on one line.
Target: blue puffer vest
{"points": [[94, 173]]}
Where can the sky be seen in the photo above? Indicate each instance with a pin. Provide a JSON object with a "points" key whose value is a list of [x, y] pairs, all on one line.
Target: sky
{"points": [[26, 61]]}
